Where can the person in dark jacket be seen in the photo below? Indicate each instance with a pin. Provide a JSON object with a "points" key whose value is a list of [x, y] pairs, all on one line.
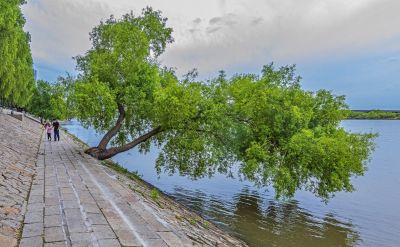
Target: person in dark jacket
{"points": [[56, 130]]}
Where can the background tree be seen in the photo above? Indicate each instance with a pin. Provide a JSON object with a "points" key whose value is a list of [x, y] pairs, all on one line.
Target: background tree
{"points": [[50, 100], [277, 133], [40, 103], [16, 71]]}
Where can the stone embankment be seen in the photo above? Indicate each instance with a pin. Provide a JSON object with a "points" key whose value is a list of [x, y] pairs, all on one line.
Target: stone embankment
{"points": [[52, 194], [19, 144]]}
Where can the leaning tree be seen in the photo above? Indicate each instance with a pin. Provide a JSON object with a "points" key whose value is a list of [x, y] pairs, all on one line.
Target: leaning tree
{"points": [[275, 132]]}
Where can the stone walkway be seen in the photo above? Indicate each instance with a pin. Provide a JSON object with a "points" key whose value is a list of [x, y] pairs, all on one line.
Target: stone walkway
{"points": [[52, 194], [74, 201]]}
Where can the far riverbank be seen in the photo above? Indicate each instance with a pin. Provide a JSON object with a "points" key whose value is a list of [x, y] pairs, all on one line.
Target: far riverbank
{"points": [[374, 115]]}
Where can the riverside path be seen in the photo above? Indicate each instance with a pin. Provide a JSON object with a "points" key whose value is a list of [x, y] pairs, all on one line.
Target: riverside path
{"points": [[52, 194], [74, 202]]}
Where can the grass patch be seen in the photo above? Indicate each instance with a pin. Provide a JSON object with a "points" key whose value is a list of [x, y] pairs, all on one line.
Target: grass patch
{"points": [[154, 193], [179, 218], [120, 169], [193, 221]]}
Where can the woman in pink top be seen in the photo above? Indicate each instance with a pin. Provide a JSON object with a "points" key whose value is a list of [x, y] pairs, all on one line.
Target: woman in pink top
{"points": [[49, 130]]}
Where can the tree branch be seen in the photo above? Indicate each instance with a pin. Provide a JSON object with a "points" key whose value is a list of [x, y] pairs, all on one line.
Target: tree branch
{"points": [[108, 153]]}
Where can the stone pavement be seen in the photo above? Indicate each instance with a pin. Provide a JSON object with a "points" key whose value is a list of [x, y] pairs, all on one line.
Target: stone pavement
{"points": [[75, 202], [19, 143], [52, 194]]}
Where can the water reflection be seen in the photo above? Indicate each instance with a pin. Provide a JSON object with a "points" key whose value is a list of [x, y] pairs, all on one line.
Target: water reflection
{"points": [[268, 222]]}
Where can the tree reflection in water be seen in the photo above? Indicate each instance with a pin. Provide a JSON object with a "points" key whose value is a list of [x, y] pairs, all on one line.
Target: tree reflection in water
{"points": [[269, 222]]}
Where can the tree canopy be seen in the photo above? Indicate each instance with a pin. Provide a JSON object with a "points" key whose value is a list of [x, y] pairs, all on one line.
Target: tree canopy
{"points": [[50, 100], [276, 133], [16, 71]]}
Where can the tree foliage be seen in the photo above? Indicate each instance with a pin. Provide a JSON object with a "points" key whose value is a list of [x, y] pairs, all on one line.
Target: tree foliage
{"points": [[277, 133], [16, 72], [50, 100]]}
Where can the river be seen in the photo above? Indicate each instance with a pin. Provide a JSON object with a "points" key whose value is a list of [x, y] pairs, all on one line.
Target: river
{"points": [[370, 216]]}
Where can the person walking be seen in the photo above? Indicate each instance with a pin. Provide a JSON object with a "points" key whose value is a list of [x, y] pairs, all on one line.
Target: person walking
{"points": [[56, 126], [49, 130]]}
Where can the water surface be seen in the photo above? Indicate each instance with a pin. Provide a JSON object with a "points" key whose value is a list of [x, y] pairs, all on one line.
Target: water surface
{"points": [[368, 217]]}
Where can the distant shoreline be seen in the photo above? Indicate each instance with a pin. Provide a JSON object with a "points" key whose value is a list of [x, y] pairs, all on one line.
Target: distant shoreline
{"points": [[374, 115]]}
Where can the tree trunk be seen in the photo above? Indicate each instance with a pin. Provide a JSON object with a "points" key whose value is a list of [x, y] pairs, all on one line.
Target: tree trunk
{"points": [[102, 154], [110, 134]]}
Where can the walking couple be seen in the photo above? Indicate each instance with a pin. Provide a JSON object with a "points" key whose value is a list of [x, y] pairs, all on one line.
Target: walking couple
{"points": [[50, 128]]}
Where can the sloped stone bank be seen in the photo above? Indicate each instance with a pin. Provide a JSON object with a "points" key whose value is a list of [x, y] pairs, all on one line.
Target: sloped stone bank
{"points": [[19, 144]]}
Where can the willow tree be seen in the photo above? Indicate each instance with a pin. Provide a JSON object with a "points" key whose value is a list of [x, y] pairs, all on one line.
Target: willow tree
{"points": [[16, 71], [277, 133]]}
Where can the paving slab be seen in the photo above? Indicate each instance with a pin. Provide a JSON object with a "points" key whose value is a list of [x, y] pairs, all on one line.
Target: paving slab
{"points": [[32, 242]]}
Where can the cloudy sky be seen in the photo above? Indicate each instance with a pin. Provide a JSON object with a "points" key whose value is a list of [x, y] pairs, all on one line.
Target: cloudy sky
{"points": [[349, 47]]}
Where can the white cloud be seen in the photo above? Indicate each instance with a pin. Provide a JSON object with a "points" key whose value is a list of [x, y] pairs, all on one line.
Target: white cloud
{"points": [[290, 31], [212, 35], [59, 29]]}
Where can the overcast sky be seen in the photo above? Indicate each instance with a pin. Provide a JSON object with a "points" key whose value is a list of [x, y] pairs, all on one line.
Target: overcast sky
{"points": [[350, 47]]}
